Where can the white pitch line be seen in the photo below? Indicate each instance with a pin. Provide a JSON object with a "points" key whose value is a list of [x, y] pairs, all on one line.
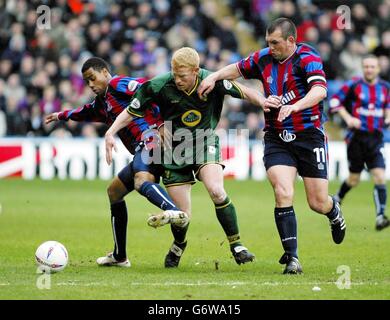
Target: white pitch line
{"points": [[194, 284]]}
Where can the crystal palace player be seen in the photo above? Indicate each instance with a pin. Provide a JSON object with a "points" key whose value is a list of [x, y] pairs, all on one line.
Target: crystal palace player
{"points": [[295, 142], [364, 105], [113, 95]]}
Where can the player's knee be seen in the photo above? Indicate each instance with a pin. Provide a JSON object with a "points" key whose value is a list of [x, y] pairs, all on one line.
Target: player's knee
{"points": [[217, 194], [379, 179], [283, 194], [140, 178], [319, 204], [113, 194], [353, 180]]}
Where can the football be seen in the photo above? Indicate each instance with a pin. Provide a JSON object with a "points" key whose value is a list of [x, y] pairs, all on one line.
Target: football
{"points": [[51, 256]]}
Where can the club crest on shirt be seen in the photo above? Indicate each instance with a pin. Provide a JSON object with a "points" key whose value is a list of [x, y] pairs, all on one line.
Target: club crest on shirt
{"points": [[132, 85], [109, 106], [135, 104], [227, 84], [269, 79], [191, 118]]}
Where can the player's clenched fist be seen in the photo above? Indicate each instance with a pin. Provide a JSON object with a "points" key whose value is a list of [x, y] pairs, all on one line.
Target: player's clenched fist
{"points": [[272, 102], [51, 117], [285, 111]]}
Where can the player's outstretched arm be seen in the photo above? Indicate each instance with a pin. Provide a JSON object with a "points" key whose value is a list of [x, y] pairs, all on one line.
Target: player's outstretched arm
{"points": [[257, 98], [120, 122], [313, 97], [230, 72], [51, 117]]}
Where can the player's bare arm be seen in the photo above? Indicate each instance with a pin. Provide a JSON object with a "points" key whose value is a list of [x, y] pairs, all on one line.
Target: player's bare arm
{"points": [[257, 98], [387, 117], [351, 121], [230, 72], [314, 96], [120, 122]]}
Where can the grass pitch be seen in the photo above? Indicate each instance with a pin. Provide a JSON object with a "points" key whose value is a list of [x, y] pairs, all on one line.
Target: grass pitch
{"points": [[76, 213]]}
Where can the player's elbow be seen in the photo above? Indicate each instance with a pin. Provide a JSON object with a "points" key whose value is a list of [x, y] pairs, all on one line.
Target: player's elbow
{"points": [[322, 92]]}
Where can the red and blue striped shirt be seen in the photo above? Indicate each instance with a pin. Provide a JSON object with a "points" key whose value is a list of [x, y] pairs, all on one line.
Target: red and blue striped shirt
{"points": [[106, 108], [365, 101], [292, 79]]}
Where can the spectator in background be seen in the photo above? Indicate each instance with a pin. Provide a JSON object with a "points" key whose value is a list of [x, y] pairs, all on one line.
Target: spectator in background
{"points": [[14, 88], [384, 48], [360, 18], [382, 20], [351, 58], [50, 103]]}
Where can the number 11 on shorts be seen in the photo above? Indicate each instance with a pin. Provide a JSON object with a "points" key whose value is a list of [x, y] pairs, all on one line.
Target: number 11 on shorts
{"points": [[320, 154]]}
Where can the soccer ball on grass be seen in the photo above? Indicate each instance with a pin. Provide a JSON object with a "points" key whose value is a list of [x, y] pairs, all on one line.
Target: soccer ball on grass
{"points": [[51, 256]]}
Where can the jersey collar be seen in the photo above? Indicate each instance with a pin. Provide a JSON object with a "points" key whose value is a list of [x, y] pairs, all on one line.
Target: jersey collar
{"points": [[193, 89], [296, 48]]}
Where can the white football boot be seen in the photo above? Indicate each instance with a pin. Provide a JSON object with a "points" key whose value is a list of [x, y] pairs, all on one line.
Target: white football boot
{"points": [[177, 218], [109, 261]]}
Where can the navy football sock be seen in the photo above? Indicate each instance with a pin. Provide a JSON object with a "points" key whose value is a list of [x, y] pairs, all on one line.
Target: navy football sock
{"points": [[345, 187], [157, 195], [179, 233], [119, 229], [334, 212], [380, 199], [286, 223]]}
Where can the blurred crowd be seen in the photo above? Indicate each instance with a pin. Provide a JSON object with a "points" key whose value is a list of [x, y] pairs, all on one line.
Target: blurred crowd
{"points": [[40, 68]]}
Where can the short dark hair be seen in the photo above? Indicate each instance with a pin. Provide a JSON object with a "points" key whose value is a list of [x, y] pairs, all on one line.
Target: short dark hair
{"points": [[95, 63], [287, 27], [370, 56]]}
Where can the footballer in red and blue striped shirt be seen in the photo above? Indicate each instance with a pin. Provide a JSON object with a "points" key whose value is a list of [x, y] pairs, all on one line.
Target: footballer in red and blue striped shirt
{"points": [[294, 86], [290, 79], [107, 106], [364, 104], [364, 101], [113, 95]]}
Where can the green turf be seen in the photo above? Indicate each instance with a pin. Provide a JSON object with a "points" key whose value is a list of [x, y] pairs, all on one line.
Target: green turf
{"points": [[76, 213]]}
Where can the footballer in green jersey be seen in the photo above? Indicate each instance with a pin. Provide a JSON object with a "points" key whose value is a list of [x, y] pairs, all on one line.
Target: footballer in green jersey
{"points": [[195, 150], [190, 119]]}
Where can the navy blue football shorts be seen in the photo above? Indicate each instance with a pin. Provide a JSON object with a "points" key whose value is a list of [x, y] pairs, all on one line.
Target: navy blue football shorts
{"points": [[305, 150], [365, 149], [139, 163]]}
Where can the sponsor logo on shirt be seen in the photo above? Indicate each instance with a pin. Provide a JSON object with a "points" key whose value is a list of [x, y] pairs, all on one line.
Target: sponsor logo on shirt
{"points": [[191, 118], [371, 112], [289, 96]]}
